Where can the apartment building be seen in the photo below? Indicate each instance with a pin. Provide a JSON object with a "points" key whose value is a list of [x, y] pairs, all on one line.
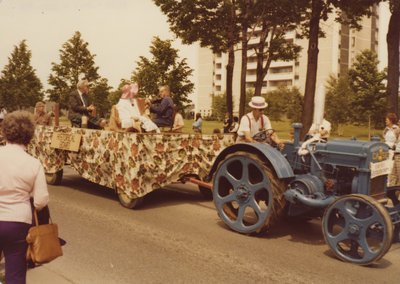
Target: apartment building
{"points": [[337, 52]]}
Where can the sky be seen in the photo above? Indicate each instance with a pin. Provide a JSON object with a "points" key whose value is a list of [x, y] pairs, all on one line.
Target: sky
{"points": [[118, 32]]}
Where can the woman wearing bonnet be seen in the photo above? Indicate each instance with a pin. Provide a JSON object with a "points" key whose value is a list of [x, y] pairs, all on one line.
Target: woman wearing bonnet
{"points": [[126, 115]]}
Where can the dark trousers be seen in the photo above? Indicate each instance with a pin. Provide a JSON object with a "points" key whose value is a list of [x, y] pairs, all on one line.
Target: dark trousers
{"points": [[93, 123], [14, 246], [162, 122]]}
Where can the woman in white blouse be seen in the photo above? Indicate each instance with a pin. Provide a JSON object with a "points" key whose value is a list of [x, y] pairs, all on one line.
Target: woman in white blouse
{"points": [[391, 131], [21, 177]]}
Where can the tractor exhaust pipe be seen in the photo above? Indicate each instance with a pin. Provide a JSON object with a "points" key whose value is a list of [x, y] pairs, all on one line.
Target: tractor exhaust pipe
{"points": [[293, 196]]}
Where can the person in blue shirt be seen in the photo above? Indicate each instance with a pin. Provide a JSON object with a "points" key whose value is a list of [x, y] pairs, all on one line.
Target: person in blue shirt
{"points": [[163, 108], [198, 123]]}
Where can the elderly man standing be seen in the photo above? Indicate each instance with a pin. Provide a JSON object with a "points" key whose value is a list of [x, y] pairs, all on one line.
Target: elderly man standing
{"points": [[164, 108], [255, 121], [81, 111]]}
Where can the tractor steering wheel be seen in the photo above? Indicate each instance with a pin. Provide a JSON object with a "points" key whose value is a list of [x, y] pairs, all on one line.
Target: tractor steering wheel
{"points": [[264, 136]]}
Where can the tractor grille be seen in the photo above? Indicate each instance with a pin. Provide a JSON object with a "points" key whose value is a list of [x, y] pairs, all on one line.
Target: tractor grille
{"points": [[377, 189]]}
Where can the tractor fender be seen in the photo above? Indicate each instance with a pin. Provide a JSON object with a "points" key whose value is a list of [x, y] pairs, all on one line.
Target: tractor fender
{"points": [[281, 166]]}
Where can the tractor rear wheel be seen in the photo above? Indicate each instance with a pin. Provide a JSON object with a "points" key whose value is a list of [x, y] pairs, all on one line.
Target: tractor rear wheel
{"points": [[247, 193], [358, 229]]}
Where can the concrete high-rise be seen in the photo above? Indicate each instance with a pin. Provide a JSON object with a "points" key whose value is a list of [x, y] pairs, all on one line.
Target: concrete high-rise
{"points": [[337, 52]]}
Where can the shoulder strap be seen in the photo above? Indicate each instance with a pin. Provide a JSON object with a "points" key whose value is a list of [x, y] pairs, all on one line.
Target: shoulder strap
{"points": [[248, 117]]}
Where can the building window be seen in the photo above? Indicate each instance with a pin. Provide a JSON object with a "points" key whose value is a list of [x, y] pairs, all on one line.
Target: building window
{"points": [[279, 83], [218, 54], [251, 72], [279, 70], [218, 77], [218, 65], [218, 88]]}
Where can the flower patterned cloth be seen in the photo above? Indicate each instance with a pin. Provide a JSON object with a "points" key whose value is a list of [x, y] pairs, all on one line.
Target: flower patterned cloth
{"points": [[135, 163]]}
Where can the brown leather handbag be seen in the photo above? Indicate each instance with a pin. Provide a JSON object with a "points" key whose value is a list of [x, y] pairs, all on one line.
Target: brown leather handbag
{"points": [[43, 242]]}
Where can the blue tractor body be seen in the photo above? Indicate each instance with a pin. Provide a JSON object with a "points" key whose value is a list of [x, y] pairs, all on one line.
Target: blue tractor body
{"points": [[342, 181]]}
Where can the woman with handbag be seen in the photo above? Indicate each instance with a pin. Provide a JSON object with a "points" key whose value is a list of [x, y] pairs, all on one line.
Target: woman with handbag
{"points": [[21, 177]]}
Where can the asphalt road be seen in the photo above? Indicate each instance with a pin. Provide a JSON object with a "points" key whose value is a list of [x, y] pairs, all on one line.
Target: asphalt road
{"points": [[177, 237]]}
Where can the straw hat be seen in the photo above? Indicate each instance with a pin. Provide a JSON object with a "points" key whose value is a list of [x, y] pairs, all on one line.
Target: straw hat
{"points": [[258, 102]]}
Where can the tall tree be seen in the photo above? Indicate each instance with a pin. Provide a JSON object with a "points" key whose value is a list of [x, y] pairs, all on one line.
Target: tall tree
{"points": [[19, 85], [99, 93], [164, 68], [212, 23], [276, 19], [76, 60], [266, 21], [393, 41], [338, 99], [345, 11], [369, 102]]}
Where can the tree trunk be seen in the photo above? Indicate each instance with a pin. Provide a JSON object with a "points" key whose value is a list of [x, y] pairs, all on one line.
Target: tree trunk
{"points": [[243, 72], [229, 79], [259, 70], [312, 64], [393, 38], [260, 60]]}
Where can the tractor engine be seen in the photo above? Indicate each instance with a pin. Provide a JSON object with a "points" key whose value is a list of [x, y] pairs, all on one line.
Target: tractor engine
{"points": [[335, 168]]}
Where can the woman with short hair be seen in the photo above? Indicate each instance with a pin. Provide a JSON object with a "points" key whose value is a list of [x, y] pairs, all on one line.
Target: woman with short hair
{"points": [[21, 177]]}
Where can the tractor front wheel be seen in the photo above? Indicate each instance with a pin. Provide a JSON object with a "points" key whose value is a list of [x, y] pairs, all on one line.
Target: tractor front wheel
{"points": [[358, 229]]}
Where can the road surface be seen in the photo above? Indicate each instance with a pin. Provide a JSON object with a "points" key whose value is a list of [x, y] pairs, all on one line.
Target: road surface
{"points": [[177, 237]]}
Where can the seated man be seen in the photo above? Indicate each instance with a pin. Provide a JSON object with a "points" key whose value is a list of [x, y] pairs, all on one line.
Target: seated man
{"points": [[41, 117], [164, 108], [81, 112], [255, 121]]}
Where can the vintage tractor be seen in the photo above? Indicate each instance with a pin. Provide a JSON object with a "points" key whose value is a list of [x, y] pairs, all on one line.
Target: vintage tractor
{"points": [[344, 182]]}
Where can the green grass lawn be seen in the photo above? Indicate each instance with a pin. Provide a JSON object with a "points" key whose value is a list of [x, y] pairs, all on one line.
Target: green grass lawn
{"points": [[283, 129]]}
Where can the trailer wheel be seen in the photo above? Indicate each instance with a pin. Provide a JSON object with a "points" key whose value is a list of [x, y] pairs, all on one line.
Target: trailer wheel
{"points": [[358, 229], [247, 193], [128, 202], [54, 178]]}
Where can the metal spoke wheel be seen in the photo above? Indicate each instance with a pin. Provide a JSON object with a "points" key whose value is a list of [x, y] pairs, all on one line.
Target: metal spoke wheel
{"points": [[54, 178], [127, 201], [358, 229], [247, 194]]}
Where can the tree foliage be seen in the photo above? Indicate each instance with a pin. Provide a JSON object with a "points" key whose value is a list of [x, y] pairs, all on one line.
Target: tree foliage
{"points": [[218, 107], [99, 94], [366, 82], [164, 68], [338, 100], [349, 12], [284, 102], [19, 85], [272, 20], [75, 60], [211, 23]]}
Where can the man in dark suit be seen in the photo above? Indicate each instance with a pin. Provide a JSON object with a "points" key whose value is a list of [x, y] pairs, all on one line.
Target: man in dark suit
{"points": [[81, 111]]}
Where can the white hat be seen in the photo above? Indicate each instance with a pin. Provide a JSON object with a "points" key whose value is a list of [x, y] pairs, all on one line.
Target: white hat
{"points": [[258, 102]]}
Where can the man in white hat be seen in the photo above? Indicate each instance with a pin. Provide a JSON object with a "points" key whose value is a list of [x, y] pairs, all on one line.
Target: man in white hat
{"points": [[255, 121]]}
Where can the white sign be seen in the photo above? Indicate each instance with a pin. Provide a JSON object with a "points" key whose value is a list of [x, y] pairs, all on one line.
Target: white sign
{"points": [[381, 168]]}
